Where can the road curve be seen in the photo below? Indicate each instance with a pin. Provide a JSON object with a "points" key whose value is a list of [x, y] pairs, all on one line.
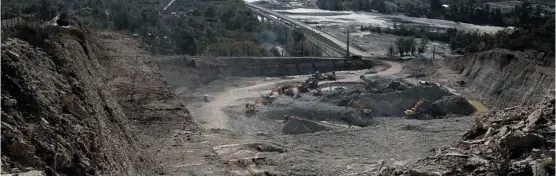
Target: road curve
{"points": [[215, 117]]}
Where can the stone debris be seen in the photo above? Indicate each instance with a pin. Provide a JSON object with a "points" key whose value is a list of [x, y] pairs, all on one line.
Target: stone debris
{"points": [[513, 141]]}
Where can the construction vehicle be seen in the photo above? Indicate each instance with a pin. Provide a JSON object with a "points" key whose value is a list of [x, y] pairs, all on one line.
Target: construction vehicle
{"points": [[267, 99], [250, 108], [327, 76], [414, 112], [312, 83]]}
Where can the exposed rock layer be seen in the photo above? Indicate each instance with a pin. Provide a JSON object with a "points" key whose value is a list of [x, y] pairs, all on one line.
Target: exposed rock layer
{"points": [[502, 78]]}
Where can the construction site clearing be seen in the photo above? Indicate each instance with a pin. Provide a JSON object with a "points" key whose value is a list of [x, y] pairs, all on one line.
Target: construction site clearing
{"points": [[105, 107], [356, 102]]}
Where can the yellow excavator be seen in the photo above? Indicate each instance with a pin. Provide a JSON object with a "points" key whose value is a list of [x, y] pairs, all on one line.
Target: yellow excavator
{"points": [[250, 108], [414, 112]]}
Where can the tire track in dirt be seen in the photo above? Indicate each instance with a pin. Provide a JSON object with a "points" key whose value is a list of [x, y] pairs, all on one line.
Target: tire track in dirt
{"points": [[213, 116]]}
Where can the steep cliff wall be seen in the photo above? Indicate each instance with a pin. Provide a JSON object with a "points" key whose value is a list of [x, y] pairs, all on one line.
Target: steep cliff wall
{"points": [[82, 103], [58, 115], [502, 78]]}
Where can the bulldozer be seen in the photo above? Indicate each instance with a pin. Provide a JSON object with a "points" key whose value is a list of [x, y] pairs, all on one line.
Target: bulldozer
{"points": [[327, 76], [414, 112]]}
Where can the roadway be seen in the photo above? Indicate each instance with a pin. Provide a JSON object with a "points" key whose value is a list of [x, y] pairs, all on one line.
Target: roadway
{"points": [[338, 44]]}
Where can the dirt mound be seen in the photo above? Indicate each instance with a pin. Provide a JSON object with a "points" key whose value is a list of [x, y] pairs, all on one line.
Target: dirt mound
{"points": [[452, 105], [58, 114], [317, 111], [300, 126], [395, 103], [419, 68], [513, 141]]}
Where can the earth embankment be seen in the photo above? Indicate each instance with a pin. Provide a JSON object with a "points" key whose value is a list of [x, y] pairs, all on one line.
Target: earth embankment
{"points": [[59, 116], [76, 102], [502, 78]]}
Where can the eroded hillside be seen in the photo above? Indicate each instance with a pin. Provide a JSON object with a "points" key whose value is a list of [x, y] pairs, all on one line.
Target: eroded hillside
{"points": [[502, 78], [70, 107]]}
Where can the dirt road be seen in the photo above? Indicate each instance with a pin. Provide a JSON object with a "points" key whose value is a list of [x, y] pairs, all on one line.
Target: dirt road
{"points": [[213, 116]]}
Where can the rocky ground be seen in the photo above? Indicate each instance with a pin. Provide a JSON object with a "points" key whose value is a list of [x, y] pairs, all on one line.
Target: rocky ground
{"points": [[511, 141], [250, 144], [101, 106]]}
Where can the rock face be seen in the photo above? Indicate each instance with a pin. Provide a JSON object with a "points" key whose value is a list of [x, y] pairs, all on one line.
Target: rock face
{"points": [[70, 107], [512, 141], [58, 115], [502, 78], [452, 105]]}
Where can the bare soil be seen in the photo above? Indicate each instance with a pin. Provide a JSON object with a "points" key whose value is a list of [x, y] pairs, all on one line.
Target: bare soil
{"points": [[238, 140]]}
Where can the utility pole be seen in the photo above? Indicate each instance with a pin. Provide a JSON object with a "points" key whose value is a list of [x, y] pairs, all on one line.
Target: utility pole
{"points": [[347, 51], [433, 50]]}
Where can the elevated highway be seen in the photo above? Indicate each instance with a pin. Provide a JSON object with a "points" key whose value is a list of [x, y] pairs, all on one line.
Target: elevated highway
{"points": [[331, 45]]}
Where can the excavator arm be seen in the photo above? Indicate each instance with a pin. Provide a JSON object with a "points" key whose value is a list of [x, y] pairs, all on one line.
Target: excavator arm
{"points": [[416, 107], [415, 110]]}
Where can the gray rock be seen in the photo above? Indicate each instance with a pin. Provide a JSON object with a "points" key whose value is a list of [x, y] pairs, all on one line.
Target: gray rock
{"points": [[533, 118], [452, 105]]}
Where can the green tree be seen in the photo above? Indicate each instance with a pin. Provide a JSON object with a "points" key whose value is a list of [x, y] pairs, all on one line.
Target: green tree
{"points": [[422, 45], [436, 5], [400, 43], [210, 13], [391, 50]]}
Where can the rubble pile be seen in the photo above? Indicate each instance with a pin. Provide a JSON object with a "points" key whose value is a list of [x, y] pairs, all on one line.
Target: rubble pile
{"points": [[383, 85], [512, 141]]}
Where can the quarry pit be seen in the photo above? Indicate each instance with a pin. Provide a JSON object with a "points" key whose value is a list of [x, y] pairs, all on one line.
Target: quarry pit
{"points": [[349, 107]]}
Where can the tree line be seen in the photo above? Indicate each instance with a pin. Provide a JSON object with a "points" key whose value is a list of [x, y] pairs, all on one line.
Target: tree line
{"points": [[194, 27], [468, 11], [408, 46], [540, 38]]}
